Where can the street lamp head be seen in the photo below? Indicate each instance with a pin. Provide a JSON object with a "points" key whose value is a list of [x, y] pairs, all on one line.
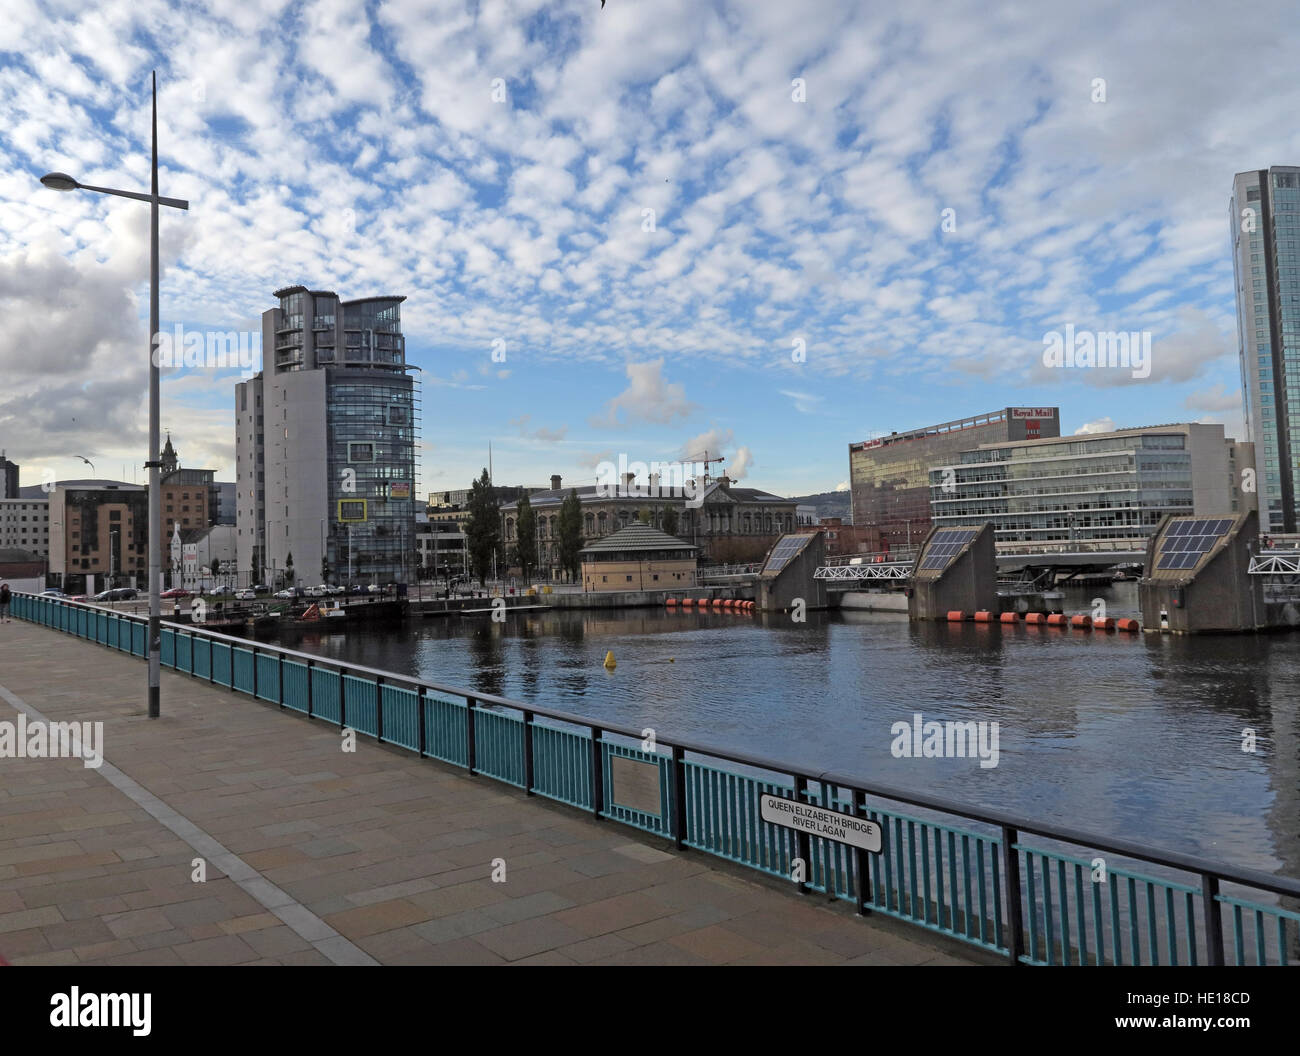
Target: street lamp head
{"points": [[59, 181]]}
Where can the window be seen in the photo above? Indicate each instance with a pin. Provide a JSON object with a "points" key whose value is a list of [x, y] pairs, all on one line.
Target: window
{"points": [[361, 452]]}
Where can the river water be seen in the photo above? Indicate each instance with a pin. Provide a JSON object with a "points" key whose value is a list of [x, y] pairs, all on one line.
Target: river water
{"points": [[1137, 737]]}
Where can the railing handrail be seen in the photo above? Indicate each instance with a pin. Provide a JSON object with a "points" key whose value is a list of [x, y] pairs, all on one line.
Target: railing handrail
{"points": [[856, 783]]}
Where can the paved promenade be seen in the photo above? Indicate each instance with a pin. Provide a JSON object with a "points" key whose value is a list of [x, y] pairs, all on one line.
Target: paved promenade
{"points": [[317, 856]]}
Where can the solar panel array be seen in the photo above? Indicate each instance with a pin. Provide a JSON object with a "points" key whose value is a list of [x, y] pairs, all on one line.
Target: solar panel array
{"points": [[784, 551], [945, 546], [1186, 542]]}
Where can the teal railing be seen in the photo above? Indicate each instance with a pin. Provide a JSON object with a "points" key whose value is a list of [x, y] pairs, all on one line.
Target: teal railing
{"points": [[970, 874]]}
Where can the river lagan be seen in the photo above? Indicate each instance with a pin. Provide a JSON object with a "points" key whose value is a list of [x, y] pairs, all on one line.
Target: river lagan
{"points": [[1133, 736]]}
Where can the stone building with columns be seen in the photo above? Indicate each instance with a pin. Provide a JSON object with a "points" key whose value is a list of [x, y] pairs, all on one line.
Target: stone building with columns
{"points": [[728, 524]]}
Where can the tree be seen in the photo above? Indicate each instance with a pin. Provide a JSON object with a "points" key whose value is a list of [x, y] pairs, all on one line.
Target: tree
{"points": [[482, 527], [288, 569], [643, 515], [526, 537], [670, 520], [569, 532], [324, 569]]}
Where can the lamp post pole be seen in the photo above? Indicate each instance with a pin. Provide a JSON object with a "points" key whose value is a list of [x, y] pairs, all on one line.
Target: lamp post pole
{"points": [[60, 181]]}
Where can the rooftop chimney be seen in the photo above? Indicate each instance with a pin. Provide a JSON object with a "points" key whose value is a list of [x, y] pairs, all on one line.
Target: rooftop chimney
{"points": [[555, 482]]}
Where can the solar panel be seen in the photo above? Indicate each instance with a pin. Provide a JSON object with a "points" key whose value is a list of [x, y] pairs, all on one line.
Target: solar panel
{"points": [[1188, 540], [946, 545], [786, 548]]}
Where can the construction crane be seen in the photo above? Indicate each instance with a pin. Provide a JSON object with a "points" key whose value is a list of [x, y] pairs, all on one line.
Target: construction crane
{"points": [[703, 457]]}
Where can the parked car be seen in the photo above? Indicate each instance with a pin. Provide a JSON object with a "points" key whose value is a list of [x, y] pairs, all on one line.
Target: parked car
{"points": [[116, 594], [261, 588], [288, 592], [220, 591], [375, 588], [53, 594], [338, 590], [318, 591], [245, 595], [76, 597], [356, 588], [175, 592]]}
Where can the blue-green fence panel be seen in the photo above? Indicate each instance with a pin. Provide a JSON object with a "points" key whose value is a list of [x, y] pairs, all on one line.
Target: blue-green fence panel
{"points": [[360, 697], [268, 677], [401, 716], [184, 653], [1259, 934], [325, 693], [85, 625], [221, 661], [202, 657], [946, 879], [499, 745], [722, 818], [445, 729], [139, 638], [101, 627], [167, 651], [241, 663], [294, 677], [658, 822], [562, 765]]}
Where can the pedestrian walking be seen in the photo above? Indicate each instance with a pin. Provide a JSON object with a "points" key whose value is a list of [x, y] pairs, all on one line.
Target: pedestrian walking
{"points": [[4, 602]]}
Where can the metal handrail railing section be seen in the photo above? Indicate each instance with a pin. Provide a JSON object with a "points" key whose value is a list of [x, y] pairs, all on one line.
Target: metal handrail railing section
{"points": [[1069, 897]]}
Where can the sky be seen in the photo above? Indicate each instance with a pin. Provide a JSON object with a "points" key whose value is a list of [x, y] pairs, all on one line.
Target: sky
{"points": [[764, 230]]}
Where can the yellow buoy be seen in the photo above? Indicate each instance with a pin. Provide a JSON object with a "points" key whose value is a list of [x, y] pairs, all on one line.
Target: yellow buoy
{"points": [[609, 661]]}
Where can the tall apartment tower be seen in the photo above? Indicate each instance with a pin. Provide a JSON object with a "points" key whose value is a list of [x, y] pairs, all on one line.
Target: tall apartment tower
{"points": [[1265, 223], [325, 444]]}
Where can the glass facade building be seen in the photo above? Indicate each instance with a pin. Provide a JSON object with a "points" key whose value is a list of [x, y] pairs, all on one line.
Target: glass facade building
{"points": [[1264, 217], [890, 477], [1103, 486]]}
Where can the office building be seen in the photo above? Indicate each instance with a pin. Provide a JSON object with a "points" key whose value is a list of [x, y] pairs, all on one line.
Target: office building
{"points": [[1095, 486], [889, 477], [325, 444], [8, 478], [25, 523], [1265, 225]]}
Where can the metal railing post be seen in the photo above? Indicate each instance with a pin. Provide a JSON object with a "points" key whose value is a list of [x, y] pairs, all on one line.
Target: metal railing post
{"points": [[528, 753], [861, 858], [470, 755], [802, 844], [1213, 918], [679, 798], [419, 715], [1015, 921], [597, 773]]}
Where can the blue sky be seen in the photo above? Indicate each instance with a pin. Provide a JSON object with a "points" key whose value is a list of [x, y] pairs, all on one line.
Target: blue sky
{"points": [[500, 165]]}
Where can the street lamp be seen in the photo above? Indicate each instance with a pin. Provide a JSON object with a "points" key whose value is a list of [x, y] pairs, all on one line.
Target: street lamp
{"points": [[61, 181]]}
